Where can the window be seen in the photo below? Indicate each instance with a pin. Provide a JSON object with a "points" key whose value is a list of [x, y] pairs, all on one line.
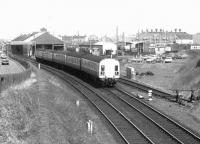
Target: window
{"points": [[102, 68], [116, 68]]}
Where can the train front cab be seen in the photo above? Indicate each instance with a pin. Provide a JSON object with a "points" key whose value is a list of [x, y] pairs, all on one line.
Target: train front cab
{"points": [[109, 71]]}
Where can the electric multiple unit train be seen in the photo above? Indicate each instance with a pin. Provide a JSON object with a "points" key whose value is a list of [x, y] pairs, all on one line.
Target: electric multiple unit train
{"points": [[105, 70]]}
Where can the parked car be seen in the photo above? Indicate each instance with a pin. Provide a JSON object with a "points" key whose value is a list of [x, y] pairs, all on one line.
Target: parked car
{"points": [[145, 57], [151, 60], [159, 60], [184, 56], [168, 60], [138, 60], [4, 59]]}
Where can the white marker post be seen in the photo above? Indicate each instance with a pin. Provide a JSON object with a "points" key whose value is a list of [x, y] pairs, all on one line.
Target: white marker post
{"points": [[77, 103], [150, 95], [38, 65], [90, 126]]}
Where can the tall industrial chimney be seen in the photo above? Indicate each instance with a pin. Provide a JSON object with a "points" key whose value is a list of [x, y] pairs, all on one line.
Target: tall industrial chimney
{"points": [[117, 34]]}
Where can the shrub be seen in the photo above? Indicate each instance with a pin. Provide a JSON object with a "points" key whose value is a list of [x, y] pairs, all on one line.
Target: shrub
{"points": [[149, 73], [198, 63]]}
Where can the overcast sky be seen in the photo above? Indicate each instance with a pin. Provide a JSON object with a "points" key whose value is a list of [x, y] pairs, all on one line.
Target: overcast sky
{"points": [[100, 17]]}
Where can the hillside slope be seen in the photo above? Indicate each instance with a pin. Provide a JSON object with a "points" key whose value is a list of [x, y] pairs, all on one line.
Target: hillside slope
{"points": [[188, 75]]}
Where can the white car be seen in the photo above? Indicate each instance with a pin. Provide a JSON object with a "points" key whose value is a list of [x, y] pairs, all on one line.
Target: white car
{"points": [[4, 59], [151, 59], [3, 56], [168, 60]]}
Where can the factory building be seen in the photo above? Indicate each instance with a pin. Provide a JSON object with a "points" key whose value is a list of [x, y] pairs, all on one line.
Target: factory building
{"points": [[168, 37]]}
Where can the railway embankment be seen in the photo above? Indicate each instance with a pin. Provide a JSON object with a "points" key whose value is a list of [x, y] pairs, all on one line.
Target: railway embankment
{"points": [[43, 109]]}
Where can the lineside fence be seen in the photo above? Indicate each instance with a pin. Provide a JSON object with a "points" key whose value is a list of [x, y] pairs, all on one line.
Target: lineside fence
{"points": [[6, 80]]}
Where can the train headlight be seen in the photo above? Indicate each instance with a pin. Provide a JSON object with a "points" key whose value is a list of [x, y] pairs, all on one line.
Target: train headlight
{"points": [[116, 73]]}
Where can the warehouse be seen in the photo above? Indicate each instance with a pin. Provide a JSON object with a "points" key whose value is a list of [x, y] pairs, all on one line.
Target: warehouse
{"points": [[26, 44]]}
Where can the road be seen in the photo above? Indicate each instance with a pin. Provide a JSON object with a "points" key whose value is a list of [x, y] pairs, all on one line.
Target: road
{"points": [[13, 67]]}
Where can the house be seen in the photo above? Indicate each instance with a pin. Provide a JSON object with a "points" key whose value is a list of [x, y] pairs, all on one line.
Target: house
{"points": [[27, 44]]}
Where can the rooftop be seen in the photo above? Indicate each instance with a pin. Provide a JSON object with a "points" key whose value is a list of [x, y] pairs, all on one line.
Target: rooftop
{"points": [[42, 37]]}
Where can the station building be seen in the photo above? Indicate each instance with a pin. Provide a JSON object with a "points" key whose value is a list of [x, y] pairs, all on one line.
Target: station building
{"points": [[27, 44]]}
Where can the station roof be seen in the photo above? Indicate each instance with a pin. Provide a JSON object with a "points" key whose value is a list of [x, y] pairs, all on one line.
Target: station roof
{"points": [[38, 38], [47, 38]]}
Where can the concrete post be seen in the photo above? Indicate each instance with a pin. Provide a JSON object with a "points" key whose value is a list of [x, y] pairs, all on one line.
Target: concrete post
{"points": [[77, 103], [90, 126], [150, 95], [192, 95]]}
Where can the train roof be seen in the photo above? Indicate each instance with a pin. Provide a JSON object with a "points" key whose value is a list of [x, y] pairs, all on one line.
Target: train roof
{"points": [[93, 57], [81, 55]]}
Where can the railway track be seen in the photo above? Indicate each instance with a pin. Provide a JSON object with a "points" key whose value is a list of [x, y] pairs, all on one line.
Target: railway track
{"points": [[158, 127], [134, 121], [144, 87], [128, 132], [124, 128]]}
